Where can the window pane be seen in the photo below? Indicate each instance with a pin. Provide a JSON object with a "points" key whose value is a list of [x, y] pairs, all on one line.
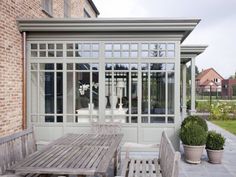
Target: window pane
{"points": [[157, 119], [86, 47], [171, 54], [108, 54], [162, 47], [78, 46], [153, 53], [69, 54], [125, 54], [42, 46], [82, 80], [51, 53], [144, 46], [59, 54], [46, 66], [70, 102], [134, 119], [121, 67], [34, 92], [116, 54], [153, 47], [171, 120], [171, 91], [69, 46], [42, 53], [145, 54], [34, 46], [59, 46], [144, 119], [108, 46], [51, 46], [34, 53], [108, 67], [144, 93], [134, 54], [170, 66], [46, 92], [34, 66], [134, 46], [70, 66], [59, 92], [95, 47], [133, 66], [125, 46], [157, 95], [59, 66], [82, 66], [157, 66], [95, 91], [162, 53], [116, 47], [170, 46], [49, 118], [134, 93]]}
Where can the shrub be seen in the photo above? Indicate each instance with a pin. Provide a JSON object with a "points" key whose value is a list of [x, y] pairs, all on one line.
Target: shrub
{"points": [[220, 111], [193, 134], [203, 106], [197, 120], [215, 141], [189, 104]]}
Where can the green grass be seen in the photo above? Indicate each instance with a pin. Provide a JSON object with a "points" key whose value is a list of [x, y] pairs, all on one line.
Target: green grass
{"points": [[229, 125]]}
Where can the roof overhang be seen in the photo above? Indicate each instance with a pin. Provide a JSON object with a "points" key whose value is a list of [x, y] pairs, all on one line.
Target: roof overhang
{"points": [[94, 7], [190, 51], [183, 27]]}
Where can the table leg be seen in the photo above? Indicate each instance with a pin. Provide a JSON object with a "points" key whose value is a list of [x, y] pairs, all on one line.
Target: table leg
{"points": [[115, 163]]}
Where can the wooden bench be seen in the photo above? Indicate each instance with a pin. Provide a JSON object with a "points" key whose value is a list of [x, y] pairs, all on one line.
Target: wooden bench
{"points": [[14, 148], [167, 165]]}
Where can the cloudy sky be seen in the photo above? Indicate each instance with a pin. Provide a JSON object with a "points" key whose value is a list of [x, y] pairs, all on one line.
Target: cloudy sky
{"points": [[217, 28]]}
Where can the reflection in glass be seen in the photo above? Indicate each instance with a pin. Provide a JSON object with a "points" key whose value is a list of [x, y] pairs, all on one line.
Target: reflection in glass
{"points": [[59, 92], [144, 93], [157, 95], [121, 67], [157, 119], [170, 66], [171, 91], [82, 89], [42, 46], [70, 102], [108, 67], [157, 66], [171, 120], [95, 90], [82, 66], [134, 93], [34, 92]]}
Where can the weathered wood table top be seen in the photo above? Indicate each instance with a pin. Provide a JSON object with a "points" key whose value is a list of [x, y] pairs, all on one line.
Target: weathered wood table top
{"points": [[76, 154]]}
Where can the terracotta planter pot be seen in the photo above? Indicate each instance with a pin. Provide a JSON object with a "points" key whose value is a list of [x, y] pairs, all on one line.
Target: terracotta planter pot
{"points": [[193, 153], [215, 156]]}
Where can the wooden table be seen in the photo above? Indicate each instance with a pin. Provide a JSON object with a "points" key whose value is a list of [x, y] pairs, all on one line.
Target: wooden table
{"points": [[74, 154]]}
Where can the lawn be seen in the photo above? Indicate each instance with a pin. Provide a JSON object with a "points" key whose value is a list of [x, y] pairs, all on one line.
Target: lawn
{"points": [[229, 125]]}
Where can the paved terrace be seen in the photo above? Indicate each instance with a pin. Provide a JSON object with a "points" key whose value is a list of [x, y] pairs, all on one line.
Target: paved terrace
{"points": [[206, 169]]}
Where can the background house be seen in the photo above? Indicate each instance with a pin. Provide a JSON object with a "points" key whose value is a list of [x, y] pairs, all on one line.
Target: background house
{"points": [[12, 76], [208, 80], [228, 88]]}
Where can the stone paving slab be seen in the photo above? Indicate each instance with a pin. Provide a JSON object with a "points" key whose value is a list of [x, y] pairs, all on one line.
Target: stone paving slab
{"points": [[206, 169]]}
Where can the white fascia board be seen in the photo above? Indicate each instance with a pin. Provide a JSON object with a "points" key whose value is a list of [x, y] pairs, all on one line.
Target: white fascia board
{"points": [[184, 26]]}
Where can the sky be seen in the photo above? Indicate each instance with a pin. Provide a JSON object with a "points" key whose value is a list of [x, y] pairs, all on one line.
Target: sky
{"points": [[217, 28]]}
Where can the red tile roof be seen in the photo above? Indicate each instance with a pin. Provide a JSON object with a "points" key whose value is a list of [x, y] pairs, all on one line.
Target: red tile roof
{"points": [[204, 72]]}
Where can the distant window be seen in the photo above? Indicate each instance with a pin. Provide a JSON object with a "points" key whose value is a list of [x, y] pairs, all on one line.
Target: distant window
{"points": [[86, 14], [67, 8], [216, 80], [47, 6]]}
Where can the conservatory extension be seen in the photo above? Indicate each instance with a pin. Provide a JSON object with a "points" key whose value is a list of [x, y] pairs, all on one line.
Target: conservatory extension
{"points": [[81, 71]]}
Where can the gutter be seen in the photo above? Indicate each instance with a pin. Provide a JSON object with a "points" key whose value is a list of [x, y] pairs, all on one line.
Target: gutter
{"points": [[24, 80]]}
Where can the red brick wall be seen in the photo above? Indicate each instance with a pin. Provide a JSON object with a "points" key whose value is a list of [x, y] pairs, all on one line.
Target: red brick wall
{"points": [[11, 56], [11, 61]]}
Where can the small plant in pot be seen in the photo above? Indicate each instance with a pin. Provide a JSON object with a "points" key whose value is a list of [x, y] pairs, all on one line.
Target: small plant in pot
{"points": [[193, 136], [215, 147]]}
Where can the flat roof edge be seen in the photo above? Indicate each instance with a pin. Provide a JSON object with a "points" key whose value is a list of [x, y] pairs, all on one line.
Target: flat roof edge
{"points": [[185, 26], [193, 49]]}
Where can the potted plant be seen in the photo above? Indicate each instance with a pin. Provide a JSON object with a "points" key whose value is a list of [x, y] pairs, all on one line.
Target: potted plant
{"points": [[215, 147], [193, 136]]}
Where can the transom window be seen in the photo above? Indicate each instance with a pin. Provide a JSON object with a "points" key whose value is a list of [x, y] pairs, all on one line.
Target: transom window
{"points": [[121, 50], [158, 50]]}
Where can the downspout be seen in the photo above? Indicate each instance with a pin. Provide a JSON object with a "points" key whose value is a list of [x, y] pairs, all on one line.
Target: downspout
{"points": [[24, 81]]}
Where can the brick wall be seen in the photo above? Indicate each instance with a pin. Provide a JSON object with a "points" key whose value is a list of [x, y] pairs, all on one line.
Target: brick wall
{"points": [[78, 6], [11, 55]]}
